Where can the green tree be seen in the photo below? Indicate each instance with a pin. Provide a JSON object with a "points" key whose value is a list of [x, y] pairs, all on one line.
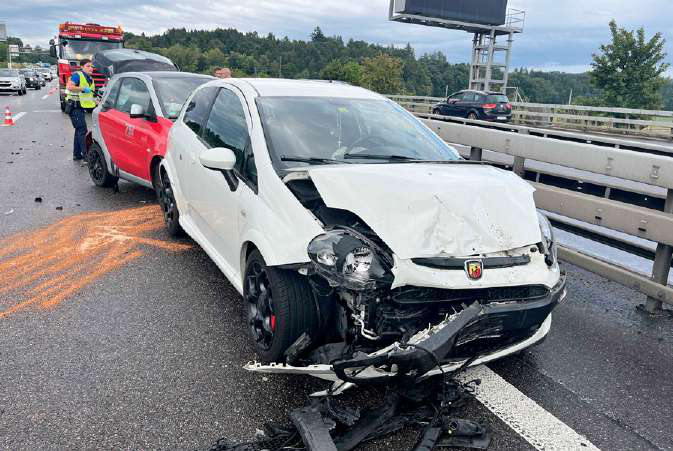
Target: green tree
{"points": [[667, 94], [317, 35], [629, 69], [349, 71], [382, 73], [214, 57]]}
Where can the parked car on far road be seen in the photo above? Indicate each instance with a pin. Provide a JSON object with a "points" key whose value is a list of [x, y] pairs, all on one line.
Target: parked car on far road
{"points": [[32, 79], [485, 106], [131, 124], [11, 80], [363, 245]]}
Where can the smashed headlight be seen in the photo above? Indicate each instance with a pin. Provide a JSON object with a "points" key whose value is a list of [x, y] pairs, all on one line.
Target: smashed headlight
{"points": [[549, 247], [347, 259]]}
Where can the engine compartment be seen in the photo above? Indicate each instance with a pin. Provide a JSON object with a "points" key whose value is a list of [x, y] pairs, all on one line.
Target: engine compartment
{"points": [[360, 313]]}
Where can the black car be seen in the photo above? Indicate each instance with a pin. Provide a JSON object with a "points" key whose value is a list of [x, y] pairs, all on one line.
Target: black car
{"points": [[116, 61], [486, 106], [32, 79]]}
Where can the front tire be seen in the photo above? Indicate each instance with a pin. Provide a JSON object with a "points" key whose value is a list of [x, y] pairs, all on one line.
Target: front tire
{"points": [[280, 307], [472, 116], [98, 171], [169, 207]]}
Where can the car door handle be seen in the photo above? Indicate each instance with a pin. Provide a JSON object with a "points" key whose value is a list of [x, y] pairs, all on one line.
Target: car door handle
{"points": [[243, 213]]}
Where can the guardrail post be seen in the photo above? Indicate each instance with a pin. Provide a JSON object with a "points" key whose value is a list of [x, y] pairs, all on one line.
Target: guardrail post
{"points": [[519, 166], [662, 262], [475, 153]]}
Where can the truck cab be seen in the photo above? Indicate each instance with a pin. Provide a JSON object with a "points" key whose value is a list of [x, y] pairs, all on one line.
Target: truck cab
{"points": [[78, 41]]}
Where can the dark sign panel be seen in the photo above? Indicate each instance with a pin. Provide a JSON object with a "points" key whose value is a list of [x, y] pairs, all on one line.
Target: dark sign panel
{"points": [[483, 12]]}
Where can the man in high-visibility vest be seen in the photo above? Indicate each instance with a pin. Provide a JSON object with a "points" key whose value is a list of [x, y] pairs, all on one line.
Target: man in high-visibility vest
{"points": [[79, 97]]}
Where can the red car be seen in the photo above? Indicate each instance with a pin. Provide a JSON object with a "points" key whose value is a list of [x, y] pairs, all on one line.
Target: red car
{"points": [[131, 125]]}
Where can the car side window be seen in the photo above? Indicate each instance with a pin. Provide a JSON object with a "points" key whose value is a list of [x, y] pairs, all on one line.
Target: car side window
{"points": [[456, 97], [468, 97], [226, 127], [132, 91], [111, 98], [197, 110]]}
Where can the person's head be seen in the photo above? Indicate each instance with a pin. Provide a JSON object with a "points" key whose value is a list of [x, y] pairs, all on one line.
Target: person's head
{"points": [[86, 65], [222, 72]]}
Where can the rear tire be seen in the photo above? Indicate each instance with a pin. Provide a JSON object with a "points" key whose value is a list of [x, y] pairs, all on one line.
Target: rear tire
{"points": [[98, 170], [280, 307], [156, 179], [62, 106], [169, 207], [472, 116]]}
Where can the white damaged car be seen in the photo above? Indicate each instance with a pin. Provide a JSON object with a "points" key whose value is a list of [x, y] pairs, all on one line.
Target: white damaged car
{"points": [[363, 245]]}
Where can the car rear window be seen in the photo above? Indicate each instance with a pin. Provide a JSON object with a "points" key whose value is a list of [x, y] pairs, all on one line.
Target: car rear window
{"points": [[497, 98], [173, 91]]}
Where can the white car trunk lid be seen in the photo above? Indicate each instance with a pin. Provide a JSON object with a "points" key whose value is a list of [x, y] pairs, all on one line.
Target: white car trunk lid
{"points": [[432, 210]]}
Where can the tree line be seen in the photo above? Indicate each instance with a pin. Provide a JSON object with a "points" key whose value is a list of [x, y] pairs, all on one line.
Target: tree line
{"points": [[627, 72], [36, 57]]}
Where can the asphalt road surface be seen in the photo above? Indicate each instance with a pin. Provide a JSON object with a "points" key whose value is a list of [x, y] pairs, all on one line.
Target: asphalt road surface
{"points": [[114, 336]]}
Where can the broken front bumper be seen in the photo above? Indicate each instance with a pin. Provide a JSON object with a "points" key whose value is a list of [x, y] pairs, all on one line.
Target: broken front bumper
{"points": [[418, 358]]}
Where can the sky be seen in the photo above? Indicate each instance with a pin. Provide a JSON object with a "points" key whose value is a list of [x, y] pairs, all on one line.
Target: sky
{"points": [[558, 34]]}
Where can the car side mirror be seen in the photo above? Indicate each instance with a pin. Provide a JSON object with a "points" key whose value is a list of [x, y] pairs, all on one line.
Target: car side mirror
{"points": [[52, 51], [218, 159], [137, 111]]}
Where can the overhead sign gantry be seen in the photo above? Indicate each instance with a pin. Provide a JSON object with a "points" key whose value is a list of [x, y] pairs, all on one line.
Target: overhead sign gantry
{"points": [[487, 20]]}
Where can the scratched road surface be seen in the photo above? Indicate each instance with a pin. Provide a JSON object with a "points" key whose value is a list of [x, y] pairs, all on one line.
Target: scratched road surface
{"points": [[114, 336]]}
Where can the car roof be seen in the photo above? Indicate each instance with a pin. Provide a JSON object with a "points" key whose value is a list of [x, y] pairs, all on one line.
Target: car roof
{"points": [[163, 74], [489, 93], [131, 54], [279, 87]]}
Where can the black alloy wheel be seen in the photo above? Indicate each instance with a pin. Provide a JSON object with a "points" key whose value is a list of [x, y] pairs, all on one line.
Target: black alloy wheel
{"points": [[169, 207], [280, 307], [98, 167], [260, 307], [472, 116]]}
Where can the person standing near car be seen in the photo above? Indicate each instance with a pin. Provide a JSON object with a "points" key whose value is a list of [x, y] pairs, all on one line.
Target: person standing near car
{"points": [[80, 91]]}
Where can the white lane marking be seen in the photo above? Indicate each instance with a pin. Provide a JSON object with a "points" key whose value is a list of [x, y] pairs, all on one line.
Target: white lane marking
{"points": [[45, 96], [18, 116], [537, 426], [46, 111]]}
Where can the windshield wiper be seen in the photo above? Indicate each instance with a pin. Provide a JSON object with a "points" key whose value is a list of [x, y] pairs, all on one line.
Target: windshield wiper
{"points": [[403, 158], [311, 160], [371, 156]]}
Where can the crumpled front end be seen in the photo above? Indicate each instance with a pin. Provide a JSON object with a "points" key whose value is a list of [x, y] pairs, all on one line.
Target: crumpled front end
{"points": [[387, 312]]}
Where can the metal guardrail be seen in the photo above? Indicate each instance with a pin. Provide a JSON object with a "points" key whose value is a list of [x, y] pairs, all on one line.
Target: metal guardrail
{"points": [[619, 121], [636, 165]]}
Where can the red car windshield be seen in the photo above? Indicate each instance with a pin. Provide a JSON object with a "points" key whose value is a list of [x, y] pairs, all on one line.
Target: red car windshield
{"points": [[77, 49]]}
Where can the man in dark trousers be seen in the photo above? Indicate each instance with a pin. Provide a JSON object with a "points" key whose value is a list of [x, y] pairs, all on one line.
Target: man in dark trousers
{"points": [[80, 91]]}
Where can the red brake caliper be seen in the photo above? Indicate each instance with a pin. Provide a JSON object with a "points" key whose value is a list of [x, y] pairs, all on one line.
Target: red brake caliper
{"points": [[273, 323]]}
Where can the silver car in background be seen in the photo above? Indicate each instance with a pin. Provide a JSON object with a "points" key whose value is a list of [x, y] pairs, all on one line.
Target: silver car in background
{"points": [[11, 80]]}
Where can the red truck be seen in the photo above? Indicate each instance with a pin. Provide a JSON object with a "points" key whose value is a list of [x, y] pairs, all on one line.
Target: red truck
{"points": [[77, 41]]}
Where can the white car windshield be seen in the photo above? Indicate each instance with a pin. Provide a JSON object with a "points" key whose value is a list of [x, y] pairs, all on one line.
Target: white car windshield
{"points": [[9, 73], [345, 130]]}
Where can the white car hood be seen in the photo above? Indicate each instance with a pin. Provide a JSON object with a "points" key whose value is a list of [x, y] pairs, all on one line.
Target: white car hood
{"points": [[12, 79], [433, 210]]}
